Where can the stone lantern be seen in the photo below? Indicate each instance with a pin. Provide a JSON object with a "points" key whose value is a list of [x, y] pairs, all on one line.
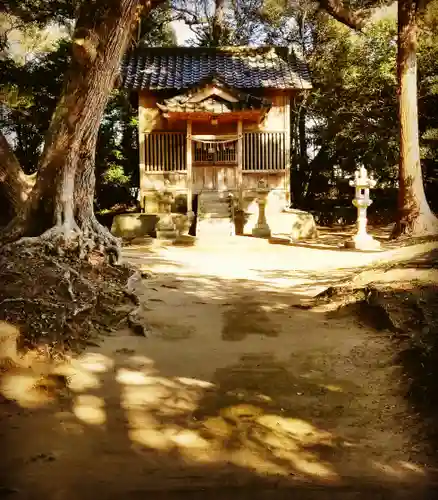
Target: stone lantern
{"points": [[362, 184], [165, 227], [262, 229]]}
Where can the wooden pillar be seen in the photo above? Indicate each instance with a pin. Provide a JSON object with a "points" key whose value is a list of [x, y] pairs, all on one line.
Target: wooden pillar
{"points": [[142, 166], [287, 139], [189, 167], [240, 161]]}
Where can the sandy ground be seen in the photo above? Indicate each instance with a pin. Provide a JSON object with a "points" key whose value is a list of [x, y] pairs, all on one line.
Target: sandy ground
{"points": [[234, 393]]}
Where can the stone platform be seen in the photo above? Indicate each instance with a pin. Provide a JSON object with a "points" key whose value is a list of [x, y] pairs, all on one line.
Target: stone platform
{"points": [[291, 223]]}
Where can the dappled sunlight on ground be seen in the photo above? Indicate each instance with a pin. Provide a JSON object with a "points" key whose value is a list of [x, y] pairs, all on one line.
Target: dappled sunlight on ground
{"points": [[206, 423], [230, 385], [306, 270]]}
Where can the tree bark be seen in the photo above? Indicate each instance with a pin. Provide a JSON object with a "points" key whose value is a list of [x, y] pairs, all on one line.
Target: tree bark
{"points": [[218, 22], [415, 217], [15, 185], [61, 202], [351, 18]]}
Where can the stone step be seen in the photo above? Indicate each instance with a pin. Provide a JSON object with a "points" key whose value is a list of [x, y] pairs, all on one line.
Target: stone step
{"points": [[214, 195], [214, 228], [215, 209], [212, 213], [214, 216]]}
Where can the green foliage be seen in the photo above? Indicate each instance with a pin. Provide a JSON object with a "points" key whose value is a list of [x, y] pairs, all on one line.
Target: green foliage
{"points": [[428, 98], [155, 29], [354, 104], [30, 89], [28, 95], [115, 174], [41, 11], [349, 118], [117, 152]]}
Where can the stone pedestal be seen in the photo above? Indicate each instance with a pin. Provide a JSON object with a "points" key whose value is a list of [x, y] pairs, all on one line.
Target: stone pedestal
{"points": [[182, 226], [362, 242], [166, 229], [262, 229]]}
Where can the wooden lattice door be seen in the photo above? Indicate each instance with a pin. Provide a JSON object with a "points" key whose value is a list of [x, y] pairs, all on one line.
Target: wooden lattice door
{"points": [[215, 165]]}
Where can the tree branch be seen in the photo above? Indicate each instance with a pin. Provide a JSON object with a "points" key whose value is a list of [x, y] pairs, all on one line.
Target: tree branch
{"points": [[336, 8]]}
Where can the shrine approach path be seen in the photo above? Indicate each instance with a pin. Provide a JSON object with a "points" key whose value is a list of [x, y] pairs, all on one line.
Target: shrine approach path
{"points": [[233, 393]]}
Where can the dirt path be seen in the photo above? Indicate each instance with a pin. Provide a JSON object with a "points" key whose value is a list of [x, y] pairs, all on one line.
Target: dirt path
{"points": [[232, 388]]}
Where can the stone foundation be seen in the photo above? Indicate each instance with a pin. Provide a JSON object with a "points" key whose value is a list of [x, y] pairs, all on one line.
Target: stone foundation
{"points": [[134, 225], [290, 223]]}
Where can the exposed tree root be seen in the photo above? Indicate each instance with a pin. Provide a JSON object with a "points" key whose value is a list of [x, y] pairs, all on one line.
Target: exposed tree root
{"points": [[61, 301], [421, 226], [65, 240]]}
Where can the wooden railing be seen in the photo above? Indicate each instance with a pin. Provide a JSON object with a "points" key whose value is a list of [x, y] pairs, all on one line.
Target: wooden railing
{"points": [[261, 152], [165, 152], [264, 151]]}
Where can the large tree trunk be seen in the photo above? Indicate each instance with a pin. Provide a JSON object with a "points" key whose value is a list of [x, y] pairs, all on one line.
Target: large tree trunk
{"points": [[61, 203], [15, 185], [415, 217]]}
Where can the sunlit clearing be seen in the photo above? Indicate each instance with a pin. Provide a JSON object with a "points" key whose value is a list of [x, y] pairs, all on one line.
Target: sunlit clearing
{"points": [[332, 388], [195, 382], [299, 429], [146, 364], [144, 429], [401, 471], [243, 411], [23, 388], [189, 439], [150, 438], [274, 308], [133, 377], [309, 465], [274, 440], [241, 435], [79, 380], [144, 395], [94, 362], [389, 470], [412, 467], [249, 459], [89, 409], [138, 418], [218, 427]]}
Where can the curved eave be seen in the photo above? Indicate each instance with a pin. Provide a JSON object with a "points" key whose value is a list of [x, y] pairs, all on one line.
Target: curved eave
{"points": [[248, 115]]}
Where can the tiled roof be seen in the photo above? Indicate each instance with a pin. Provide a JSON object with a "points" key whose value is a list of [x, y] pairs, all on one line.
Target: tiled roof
{"points": [[238, 67]]}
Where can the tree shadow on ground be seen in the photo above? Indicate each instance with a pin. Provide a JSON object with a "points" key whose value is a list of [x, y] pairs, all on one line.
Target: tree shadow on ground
{"points": [[333, 238], [404, 305], [275, 418], [127, 430]]}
